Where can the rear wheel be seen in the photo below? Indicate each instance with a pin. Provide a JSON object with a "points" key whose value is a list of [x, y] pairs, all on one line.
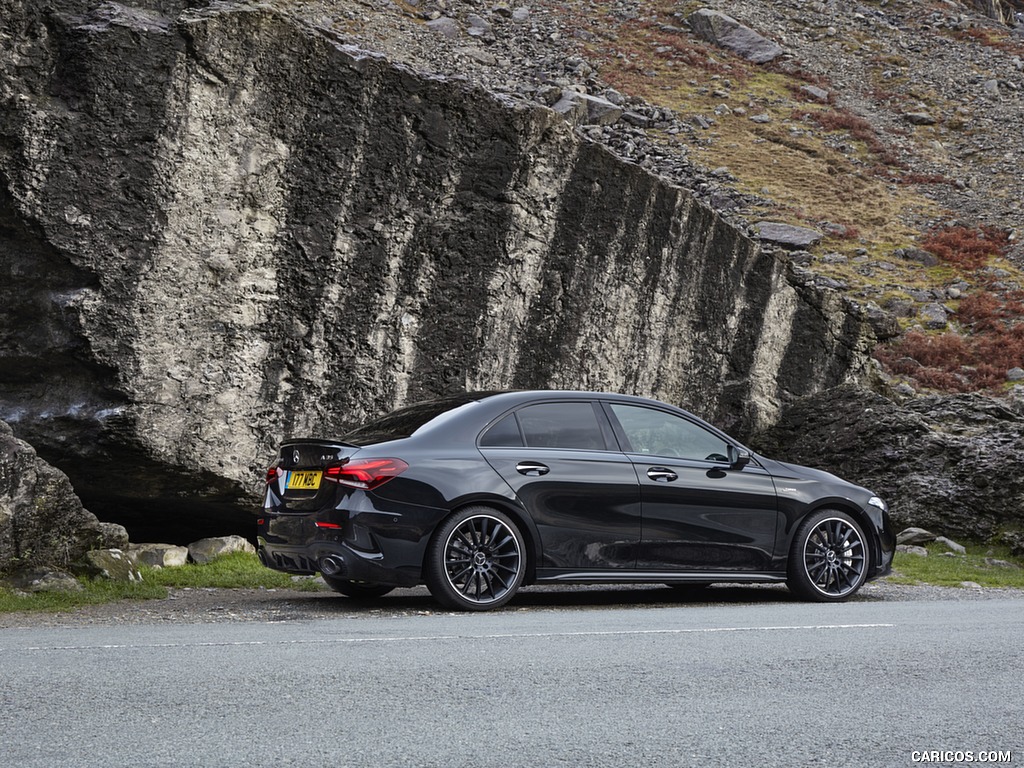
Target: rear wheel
{"points": [[828, 561], [361, 590], [476, 560]]}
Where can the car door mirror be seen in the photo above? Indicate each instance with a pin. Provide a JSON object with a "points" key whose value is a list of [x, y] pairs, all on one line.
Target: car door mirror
{"points": [[738, 457]]}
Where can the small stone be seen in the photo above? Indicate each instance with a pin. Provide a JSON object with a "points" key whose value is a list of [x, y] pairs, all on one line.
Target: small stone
{"points": [[970, 585], [444, 26], [1015, 374], [934, 317], [960, 549], [991, 88], [919, 118], [911, 549], [996, 563], [816, 93], [919, 254], [915, 536], [764, 117]]}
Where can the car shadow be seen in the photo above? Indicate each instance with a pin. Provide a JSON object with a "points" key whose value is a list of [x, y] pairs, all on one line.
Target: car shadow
{"points": [[417, 600]]}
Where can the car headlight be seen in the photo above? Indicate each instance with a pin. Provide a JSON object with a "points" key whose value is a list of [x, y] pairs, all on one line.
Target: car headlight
{"points": [[874, 501]]}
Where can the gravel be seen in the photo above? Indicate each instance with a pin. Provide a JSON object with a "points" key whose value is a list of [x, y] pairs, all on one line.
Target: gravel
{"points": [[210, 606]]}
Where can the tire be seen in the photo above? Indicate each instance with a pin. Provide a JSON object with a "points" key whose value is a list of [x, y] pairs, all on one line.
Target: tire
{"points": [[476, 560], [360, 590], [829, 558]]}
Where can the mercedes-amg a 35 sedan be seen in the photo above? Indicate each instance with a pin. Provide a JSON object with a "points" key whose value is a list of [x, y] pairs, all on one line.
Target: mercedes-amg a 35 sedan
{"points": [[476, 494]]}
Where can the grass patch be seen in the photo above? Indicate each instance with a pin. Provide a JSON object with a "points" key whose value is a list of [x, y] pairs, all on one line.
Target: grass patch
{"points": [[238, 570], [951, 571], [95, 591]]}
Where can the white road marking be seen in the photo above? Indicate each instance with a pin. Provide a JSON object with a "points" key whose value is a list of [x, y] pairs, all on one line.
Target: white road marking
{"points": [[437, 638]]}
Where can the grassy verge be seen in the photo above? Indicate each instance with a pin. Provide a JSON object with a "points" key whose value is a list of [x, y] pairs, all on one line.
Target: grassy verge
{"points": [[235, 571], [946, 569]]}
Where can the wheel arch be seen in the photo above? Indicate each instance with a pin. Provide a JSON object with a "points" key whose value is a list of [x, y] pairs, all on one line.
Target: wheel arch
{"points": [[531, 538], [854, 511]]}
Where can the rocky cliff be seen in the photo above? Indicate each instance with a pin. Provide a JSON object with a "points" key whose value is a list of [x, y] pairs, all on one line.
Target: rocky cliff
{"points": [[224, 226]]}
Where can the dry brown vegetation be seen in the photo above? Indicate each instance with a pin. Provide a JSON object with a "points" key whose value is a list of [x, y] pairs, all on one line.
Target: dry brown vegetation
{"points": [[991, 320]]}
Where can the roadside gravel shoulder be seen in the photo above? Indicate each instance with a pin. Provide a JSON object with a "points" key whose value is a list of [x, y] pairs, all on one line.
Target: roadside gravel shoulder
{"points": [[208, 606]]}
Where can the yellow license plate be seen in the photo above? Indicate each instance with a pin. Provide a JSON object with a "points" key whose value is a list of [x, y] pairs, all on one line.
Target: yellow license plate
{"points": [[304, 481]]}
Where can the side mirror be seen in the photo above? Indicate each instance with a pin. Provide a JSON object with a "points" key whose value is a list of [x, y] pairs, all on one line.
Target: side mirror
{"points": [[738, 457]]}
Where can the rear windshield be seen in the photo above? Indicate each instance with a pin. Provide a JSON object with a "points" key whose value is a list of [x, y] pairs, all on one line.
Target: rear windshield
{"points": [[405, 421]]}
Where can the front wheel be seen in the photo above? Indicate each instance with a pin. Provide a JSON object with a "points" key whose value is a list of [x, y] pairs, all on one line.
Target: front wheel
{"points": [[476, 560], [828, 561], [360, 590]]}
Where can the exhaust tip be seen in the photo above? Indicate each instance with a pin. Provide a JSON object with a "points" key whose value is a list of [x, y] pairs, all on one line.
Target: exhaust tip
{"points": [[331, 565]]}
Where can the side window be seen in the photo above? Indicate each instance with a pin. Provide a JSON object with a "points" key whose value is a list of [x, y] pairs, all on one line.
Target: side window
{"points": [[561, 425], [505, 432], [665, 434]]}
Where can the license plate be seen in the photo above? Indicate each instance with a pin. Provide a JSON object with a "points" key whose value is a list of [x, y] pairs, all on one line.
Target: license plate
{"points": [[303, 481]]}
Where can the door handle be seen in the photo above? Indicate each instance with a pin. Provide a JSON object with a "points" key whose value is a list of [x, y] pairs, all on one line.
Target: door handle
{"points": [[662, 475], [532, 468]]}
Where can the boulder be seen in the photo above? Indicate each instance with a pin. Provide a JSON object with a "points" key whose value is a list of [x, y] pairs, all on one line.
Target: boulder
{"points": [[160, 555], [41, 579], [945, 463], [206, 550], [42, 521], [787, 235], [113, 564], [725, 32]]}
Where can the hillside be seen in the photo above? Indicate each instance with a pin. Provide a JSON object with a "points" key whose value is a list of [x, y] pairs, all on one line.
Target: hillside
{"points": [[893, 128]]}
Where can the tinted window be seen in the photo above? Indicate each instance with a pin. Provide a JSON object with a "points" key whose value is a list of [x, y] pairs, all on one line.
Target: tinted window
{"points": [[505, 432], [665, 434], [561, 425], [405, 421]]}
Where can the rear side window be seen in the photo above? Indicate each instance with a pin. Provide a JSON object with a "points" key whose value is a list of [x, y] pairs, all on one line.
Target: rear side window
{"points": [[561, 425], [505, 432]]}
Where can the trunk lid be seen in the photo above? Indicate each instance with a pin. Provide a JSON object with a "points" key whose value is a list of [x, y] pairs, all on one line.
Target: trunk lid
{"points": [[300, 471]]}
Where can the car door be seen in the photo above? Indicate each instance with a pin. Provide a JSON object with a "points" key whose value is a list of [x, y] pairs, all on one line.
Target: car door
{"points": [[698, 511], [581, 491]]}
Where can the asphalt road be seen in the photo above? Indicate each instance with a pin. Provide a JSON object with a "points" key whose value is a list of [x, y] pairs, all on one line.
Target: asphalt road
{"points": [[779, 684]]}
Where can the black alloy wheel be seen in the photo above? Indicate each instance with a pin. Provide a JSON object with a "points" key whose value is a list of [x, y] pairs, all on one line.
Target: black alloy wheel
{"points": [[360, 590], [476, 560], [829, 559]]}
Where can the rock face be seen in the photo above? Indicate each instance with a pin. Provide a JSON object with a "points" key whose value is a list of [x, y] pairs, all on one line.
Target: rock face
{"points": [[222, 228], [950, 464], [42, 521]]}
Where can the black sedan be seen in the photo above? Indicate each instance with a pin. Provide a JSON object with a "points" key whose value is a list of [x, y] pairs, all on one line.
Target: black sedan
{"points": [[476, 494]]}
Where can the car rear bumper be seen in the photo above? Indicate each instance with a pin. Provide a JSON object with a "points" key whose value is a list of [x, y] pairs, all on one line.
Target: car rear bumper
{"points": [[335, 559]]}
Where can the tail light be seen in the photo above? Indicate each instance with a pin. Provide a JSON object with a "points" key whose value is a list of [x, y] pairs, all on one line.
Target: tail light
{"points": [[365, 473], [272, 474]]}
